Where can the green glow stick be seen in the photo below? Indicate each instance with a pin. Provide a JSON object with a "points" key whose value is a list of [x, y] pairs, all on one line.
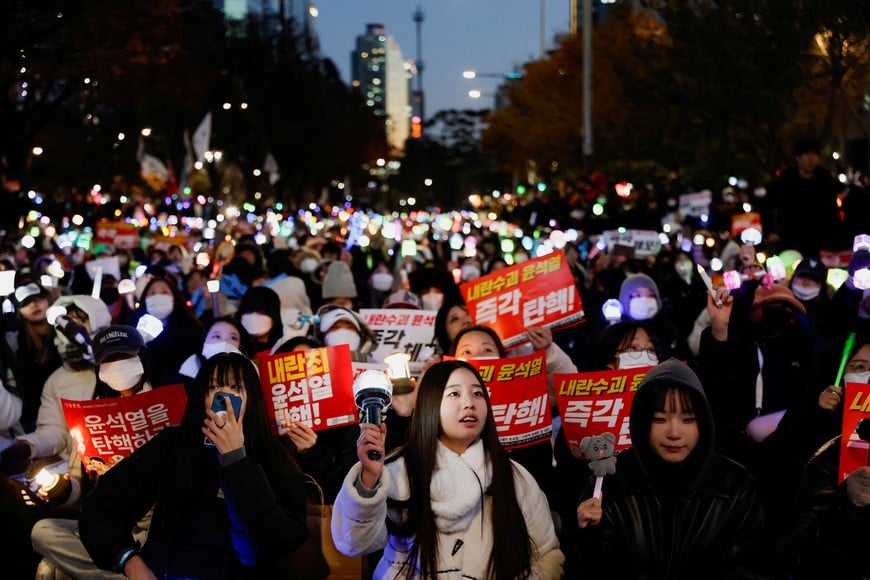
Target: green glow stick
{"points": [[847, 350]]}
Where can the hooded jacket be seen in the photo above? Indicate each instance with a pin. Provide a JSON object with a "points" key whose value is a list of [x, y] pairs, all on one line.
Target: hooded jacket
{"points": [[699, 518]]}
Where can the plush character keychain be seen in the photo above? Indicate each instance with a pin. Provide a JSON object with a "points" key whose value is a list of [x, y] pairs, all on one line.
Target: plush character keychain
{"points": [[598, 450]]}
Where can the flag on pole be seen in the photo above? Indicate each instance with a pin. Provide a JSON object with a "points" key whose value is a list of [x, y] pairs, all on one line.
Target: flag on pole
{"points": [[270, 166], [201, 137]]}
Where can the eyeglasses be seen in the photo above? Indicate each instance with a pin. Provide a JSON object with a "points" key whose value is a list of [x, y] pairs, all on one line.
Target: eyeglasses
{"points": [[858, 366], [635, 352]]}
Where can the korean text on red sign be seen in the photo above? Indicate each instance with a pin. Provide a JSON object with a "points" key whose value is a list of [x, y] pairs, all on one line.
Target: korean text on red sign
{"points": [[538, 292], [519, 395], [314, 387], [108, 430], [854, 451], [594, 403]]}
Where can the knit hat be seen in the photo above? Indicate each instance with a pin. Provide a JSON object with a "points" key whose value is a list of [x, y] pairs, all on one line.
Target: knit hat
{"points": [[97, 311], [811, 268], [403, 299], [338, 282], [114, 339], [263, 300], [632, 283]]}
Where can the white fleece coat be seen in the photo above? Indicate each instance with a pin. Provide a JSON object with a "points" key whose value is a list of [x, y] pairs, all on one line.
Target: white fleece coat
{"points": [[462, 512]]}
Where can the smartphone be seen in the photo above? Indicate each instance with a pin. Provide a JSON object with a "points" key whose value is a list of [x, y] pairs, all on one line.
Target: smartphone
{"points": [[219, 405]]}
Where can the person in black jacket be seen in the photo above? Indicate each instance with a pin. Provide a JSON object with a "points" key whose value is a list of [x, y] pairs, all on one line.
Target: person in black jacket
{"points": [[229, 501], [674, 508]]}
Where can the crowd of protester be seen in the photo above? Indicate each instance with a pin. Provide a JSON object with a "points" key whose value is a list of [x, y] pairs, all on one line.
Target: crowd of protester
{"points": [[732, 472]]}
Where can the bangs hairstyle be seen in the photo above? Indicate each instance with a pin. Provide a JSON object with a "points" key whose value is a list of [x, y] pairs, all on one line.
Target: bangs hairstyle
{"points": [[502, 353], [619, 336], [245, 340], [261, 445], [681, 401], [512, 549]]}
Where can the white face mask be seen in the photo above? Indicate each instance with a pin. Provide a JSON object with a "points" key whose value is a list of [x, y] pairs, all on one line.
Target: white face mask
{"points": [[643, 307], [159, 305], [470, 273], [342, 336], [804, 293], [634, 360], [209, 349], [122, 375], [684, 270], [856, 377], [382, 281], [256, 324], [432, 300], [308, 265]]}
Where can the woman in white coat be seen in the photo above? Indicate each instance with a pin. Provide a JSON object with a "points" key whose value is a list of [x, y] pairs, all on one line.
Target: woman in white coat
{"points": [[449, 503]]}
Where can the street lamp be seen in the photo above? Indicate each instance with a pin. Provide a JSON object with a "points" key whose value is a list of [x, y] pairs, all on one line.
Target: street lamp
{"points": [[472, 74]]}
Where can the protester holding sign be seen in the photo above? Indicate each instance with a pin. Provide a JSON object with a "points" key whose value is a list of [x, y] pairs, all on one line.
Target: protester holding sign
{"points": [[228, 499], [830, 529], [674, 507], [450, 499]]}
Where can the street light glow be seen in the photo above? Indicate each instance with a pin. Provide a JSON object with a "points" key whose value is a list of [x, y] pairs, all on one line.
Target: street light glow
{"points": [[146, 132], [37, 151], [469, 74], [475, 94]]}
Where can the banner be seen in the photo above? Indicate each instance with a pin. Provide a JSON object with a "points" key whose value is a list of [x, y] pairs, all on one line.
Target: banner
{"points": [[105, 431], [122, 235], [538, 292], [854, 451], [643, 242], [594, 403], [409, 331], [519, 394], [696, 204], [314, 387]]}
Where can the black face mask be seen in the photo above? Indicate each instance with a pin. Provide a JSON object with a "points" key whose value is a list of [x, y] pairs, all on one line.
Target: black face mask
{"points": [[776, 322], [109, 295]]}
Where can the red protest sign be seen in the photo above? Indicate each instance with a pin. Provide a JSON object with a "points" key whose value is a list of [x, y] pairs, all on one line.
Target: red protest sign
{"points": [[833, 259], [120, 234], [519, 395], [105, 431], [854, 451], [594, 403], [538, 292], [314, 387]]}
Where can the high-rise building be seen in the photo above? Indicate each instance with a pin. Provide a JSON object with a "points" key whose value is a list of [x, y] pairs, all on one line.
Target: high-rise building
{"points": [[271, 16], [383, 79]]}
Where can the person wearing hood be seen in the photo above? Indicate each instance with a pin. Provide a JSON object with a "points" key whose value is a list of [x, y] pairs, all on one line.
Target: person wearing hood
{"points": [[259, 314], [674, 508], [641, 301], [809, 285]]}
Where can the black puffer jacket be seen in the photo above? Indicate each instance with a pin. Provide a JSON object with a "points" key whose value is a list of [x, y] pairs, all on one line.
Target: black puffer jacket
{"points": [[697, 519]]}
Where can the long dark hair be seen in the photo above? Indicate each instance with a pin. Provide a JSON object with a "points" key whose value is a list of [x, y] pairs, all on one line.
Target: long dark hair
{"points": [[619, 336], [512, 549], [261, 445], [181, 314]]}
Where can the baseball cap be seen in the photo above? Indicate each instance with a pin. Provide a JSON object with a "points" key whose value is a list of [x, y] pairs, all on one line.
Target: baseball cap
{"points": [[403, 299], [114, 339]]}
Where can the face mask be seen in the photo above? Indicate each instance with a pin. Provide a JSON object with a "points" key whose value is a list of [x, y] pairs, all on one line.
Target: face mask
{"points": [[470, 273], [308, 265], [634, 360], [643, 308], [256, 324], [342, 336], [159, 306], [122, 375], [684, 270], [856, 377], [382, 281], [804, 293], [432, 301], [210, 349]]}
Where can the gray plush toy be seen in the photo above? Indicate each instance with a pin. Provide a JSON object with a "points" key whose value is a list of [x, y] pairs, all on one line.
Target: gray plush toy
{"points": [[599, 451]]}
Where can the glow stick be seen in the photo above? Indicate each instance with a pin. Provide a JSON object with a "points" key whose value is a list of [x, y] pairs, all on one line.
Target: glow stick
{"points": [[708, 283], [596, 493], [847, 350], [98, 282]]}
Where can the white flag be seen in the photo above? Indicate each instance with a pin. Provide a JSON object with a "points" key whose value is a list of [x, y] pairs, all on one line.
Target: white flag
{"points": [[150, 165], [270, 166], [201, 137]]}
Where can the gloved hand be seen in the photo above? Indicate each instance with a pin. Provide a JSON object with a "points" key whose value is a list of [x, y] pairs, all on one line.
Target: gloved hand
{"points": [[858, 486], [15, 458]]}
